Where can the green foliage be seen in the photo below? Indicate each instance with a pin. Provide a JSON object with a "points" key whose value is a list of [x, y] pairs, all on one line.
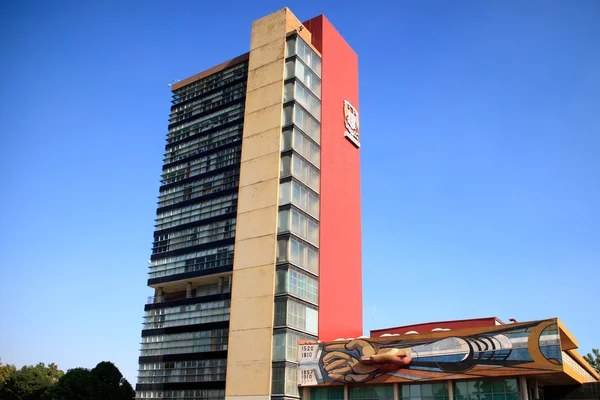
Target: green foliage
{"points": [[5, 372], [594, 360], [105, 381], [30, 382], [41, 382]]}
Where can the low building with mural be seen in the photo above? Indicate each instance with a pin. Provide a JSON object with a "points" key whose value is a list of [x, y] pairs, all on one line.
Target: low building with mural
{"points": [[463, 360]]}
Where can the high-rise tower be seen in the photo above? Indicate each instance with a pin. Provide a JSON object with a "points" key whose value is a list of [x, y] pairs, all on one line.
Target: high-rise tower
{"points": [[258, 240]]}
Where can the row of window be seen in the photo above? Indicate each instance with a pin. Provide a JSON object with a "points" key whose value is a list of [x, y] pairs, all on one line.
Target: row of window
{"points": [[296, 140], [198, 188], [486, 389], [201, 313], [222, 286], [296, 68], [177, 337], [204, 161], [294, 114], [297, 283], [296, 46], [219, 230], [204, 143], [285, 344], [211, 82], [298, 224], [292, 165], [196, 261], [208, 102], [187, 342], [292, 192], [196, 212], [285, 381], [170, 365], [203, 165], [197, 394], [297, 253], [289, 312], [210, 121], [296, 91]]}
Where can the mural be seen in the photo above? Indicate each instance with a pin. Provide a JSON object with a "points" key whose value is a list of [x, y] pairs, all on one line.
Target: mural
{"points": [[531, 347]]}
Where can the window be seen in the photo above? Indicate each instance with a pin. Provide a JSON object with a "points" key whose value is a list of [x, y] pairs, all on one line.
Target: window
{"points": [[297, 283], [297, 91], [196, 261], [429, 391], [285, 344], [372, 392], [298, 224], [294, 139], [304, 171], [285, 381], [296, 68], [327, 393], [298, 195], [297, 46], [496, 389], [292, 251], [294, 114], [187, 342], [201, 313], [183, 371], [291, 313]]}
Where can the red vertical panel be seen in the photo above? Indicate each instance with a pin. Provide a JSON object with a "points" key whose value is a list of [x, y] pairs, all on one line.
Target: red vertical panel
{"points": [[340, 274]]}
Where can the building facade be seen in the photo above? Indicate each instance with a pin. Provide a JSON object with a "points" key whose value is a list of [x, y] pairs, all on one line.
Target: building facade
{"points": [[480, 359], [257, 233]]}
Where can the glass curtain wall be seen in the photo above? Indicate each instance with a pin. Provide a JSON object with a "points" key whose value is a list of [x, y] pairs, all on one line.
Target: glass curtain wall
{"points": [[297, 282]]}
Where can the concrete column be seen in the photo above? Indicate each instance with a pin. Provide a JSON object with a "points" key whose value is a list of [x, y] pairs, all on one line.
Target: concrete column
{"points": [[220, 285], [188, 290], [536, 390], [305, 393], [346, 396], [158, 295], [396, 394], [450, 390], [524, 389]]}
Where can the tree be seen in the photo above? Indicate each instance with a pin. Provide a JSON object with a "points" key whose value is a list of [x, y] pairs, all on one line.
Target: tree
{"points": [[104, 382], [30, 382], [5, 372], [594, 360]]}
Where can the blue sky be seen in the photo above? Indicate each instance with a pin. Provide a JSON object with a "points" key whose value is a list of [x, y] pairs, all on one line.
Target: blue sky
{"points": [[480, 138]]}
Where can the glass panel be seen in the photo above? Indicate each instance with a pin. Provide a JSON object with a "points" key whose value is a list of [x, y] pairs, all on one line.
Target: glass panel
{"points": [[291, 381], [307, 55], [278, 380], [290, 47], [303, 96], [305, 172], [288, 91], [405, 391], [282, 253], [283, 221], [426, 390], [511, 385], [460, 387], [307, 123], [415, 391], [279, 346], [286, 168], [286, 118], [308, 78], [440, 389], [289, 69], [284, 193], [281, 282]]}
